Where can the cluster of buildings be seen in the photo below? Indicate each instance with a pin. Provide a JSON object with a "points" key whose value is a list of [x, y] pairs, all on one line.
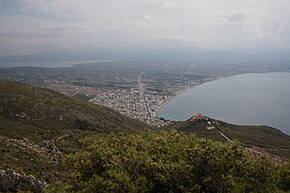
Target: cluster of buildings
{"points": [[141, 101], [131, 103], [202, 117]]}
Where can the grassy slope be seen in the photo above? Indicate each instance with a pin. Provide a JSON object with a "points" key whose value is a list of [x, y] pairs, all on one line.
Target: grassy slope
{"points": [[38, 126], [45, 108], [197, 128], [270, 139]]}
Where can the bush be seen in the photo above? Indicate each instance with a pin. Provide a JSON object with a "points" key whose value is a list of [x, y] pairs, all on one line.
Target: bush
{"points": [[166, 162], [284, 177]]}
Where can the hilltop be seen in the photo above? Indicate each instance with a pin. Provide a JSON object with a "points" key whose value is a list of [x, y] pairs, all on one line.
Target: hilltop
{"points": [[269, 139]]}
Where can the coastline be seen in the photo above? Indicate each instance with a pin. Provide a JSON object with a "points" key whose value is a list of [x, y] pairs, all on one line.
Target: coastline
{"points": [[228, 120], [180, 93]]}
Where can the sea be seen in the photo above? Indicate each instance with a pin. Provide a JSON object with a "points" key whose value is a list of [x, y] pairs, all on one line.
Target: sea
{"points": [[50, 64], [247, 99]]}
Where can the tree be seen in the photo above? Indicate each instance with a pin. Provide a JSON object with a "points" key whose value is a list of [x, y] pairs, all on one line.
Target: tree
{"points": [[166, 162]]}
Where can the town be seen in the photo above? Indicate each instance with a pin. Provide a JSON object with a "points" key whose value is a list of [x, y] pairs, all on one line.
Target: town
{"points": [[135, 89], [140, 102]]}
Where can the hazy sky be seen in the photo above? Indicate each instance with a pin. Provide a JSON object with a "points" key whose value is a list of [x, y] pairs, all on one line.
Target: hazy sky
{"points": [[28, 26]]}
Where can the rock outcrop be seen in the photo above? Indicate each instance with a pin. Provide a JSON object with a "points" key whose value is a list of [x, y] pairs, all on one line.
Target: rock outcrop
{"points": [[11, 181]]}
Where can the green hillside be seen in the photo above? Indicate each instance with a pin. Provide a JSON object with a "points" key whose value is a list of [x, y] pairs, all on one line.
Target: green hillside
{"points": [[49, 109], [169, 162], [270, 139], [108, 152], [198, 128], [38, 126]]}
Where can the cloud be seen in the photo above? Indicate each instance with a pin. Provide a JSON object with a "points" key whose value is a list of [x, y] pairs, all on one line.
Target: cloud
{"points": [[168, 5], [239, 17], [111, 23], [148, 17], [56, 28]]}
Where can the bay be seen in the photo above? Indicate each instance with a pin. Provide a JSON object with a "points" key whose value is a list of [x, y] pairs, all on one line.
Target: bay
{"points": [[248, 99], [50, 64]]}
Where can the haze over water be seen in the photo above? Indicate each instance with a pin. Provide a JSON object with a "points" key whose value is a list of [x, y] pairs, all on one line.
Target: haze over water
{"points": [[253, 99], [47, 64]]}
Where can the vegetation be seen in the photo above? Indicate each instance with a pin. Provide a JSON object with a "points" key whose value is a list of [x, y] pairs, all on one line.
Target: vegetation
{"points": [[198, 128], [48, 109], [169, 162], [38, 126], [270, 139], [109, 153]]}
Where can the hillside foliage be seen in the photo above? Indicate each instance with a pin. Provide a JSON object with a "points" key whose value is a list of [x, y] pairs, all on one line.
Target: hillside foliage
{"points": [[49, 109], [169, 161], [38, 126], [270, 139]]}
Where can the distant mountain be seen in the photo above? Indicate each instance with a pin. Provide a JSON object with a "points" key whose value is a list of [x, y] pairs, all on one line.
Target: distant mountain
{"points": [[269, 139], [71, 56], [54, 56], [235, 56], [202, 56]]}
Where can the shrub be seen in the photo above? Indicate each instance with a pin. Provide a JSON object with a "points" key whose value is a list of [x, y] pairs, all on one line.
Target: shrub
{"points": [[166, 162]]}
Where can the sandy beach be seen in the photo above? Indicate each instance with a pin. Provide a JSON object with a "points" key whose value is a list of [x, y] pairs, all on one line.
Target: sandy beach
{"points": [[180, 93]]}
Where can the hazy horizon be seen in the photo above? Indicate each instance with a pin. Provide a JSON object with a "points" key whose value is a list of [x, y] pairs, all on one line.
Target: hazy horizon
{"points": [[33, 26]]}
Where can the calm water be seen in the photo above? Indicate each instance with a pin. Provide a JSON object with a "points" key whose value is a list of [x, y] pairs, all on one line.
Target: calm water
{"points": [[50, 64], [255, 99]]}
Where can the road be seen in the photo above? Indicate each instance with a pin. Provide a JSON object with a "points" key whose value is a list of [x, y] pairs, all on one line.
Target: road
{"points": [[142, 91]]}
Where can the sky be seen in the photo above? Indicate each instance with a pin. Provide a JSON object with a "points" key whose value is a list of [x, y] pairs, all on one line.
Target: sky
{"points": [[31, 26]]}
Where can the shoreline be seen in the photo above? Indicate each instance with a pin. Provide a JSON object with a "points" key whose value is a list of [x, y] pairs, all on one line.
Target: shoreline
{"points": [[180, 93], [217, 118]]}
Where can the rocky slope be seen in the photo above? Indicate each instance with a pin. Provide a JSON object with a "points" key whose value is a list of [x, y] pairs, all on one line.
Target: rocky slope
{"points": [[39, 126]]}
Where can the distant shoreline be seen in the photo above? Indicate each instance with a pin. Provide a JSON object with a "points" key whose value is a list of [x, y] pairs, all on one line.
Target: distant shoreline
{"points": [[51, 64], [180, 93]]}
